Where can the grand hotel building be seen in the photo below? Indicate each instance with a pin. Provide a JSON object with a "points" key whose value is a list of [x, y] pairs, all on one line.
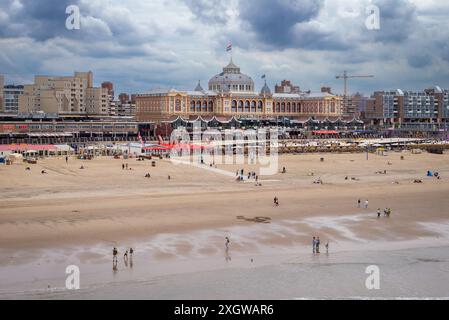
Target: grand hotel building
{"points": [[232, 94]]}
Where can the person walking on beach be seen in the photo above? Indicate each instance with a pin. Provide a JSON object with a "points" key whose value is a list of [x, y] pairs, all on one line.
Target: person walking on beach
{"points": [[366, 204], [66, 159], [327, 247], [131, 263], [314, 245], [114, 254], [123, 166], [318, 245], [359, 203], [276, 201], [378, 213], [227, 243]]}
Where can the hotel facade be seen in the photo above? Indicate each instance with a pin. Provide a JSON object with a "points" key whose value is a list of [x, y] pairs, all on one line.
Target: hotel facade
{"points": [[231, 94]]}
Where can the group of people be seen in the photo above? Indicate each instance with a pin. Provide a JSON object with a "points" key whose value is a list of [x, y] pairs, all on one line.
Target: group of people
{"points": [[127, 258], [316, 242], [433, 174], [365, 205], [387, 212], [240, 174]]}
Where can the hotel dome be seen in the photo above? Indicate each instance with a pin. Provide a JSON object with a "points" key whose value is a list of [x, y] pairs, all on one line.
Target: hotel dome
{"points": [[231, 80]]}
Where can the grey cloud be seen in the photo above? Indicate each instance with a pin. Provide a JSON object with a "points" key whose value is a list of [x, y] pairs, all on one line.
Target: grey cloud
{"points": [[419, 61], [209, 11], [40, 20], [273, 21], [398, 20]]}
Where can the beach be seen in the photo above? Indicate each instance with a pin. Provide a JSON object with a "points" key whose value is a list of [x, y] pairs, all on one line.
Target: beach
{"points": [[178, 226]]}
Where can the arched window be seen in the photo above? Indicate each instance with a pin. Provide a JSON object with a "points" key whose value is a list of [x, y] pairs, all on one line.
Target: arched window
{"points": [[198, 106], [299, 108], [253, 106], [234, 106], [204, 106], [289, 108], [247, 106], [192, 106], [211, 106], [240, 109], [294, 107], [260, 107], [283, 107]]}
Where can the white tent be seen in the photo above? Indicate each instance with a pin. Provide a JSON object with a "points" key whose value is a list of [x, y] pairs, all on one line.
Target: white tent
{"points": [[15, 157]]}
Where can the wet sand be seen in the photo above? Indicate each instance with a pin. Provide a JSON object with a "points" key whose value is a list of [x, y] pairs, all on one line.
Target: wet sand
{"points": [[76, 216]]}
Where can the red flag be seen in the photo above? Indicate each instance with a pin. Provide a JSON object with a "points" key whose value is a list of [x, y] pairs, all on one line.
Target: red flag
{"points": [[141, 140]]}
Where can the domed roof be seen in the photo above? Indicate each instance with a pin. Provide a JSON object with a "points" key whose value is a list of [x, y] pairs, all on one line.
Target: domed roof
{"points": [[231, 79]]}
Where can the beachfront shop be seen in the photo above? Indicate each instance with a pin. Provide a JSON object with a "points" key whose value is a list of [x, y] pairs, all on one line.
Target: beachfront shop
{"points": [[35, 150]]}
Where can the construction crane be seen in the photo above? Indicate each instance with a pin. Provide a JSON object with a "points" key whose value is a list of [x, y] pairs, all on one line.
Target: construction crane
{"points": [[346, 77]]}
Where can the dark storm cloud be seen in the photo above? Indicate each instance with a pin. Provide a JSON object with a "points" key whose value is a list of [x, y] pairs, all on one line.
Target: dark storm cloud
{"points": [[398, 20], [419, 61], [40, 20], [273, 20]]}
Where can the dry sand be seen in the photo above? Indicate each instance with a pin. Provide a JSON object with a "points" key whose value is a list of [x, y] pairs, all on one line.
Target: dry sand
{"points": [[105, 203]]}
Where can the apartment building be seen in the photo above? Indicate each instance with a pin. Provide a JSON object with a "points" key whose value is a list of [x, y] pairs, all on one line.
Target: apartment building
{"points": [[72, 95], [428, 108], [11, 94]]}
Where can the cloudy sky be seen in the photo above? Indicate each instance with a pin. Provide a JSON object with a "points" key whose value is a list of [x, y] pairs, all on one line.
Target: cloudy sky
{"points": [[139, 45]]}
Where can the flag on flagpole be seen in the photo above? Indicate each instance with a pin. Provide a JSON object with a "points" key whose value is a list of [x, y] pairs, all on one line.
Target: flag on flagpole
{"points": [[229, 47], [141, 140]]}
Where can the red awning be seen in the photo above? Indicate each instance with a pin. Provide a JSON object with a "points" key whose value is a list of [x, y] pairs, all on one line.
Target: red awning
{"points": [[325, 132], [26, 147]]}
